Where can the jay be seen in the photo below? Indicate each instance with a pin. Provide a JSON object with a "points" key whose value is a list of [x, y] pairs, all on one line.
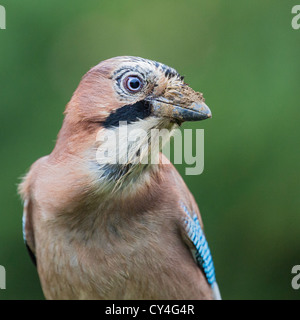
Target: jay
{"points": [[124, 230]]}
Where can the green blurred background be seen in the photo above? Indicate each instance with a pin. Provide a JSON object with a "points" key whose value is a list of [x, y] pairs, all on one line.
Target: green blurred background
{"points": [[244, 56]]}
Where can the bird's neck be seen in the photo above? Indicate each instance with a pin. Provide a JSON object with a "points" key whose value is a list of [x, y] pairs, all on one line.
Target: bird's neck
{"points": [[126, 161], [128, 154], [117, 177]]}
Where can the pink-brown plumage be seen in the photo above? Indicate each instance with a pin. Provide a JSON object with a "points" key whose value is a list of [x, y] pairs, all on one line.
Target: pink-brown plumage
{"points": [[95, 242]]}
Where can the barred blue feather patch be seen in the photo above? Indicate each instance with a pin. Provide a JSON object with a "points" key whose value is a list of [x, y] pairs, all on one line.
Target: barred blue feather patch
{"points": [[196, 235]]}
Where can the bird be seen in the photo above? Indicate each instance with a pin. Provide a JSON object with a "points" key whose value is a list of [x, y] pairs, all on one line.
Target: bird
{"points": [[103, 224]]}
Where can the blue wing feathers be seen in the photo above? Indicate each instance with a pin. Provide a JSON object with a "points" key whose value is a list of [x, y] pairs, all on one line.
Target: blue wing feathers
{"points": [[196, 235]]}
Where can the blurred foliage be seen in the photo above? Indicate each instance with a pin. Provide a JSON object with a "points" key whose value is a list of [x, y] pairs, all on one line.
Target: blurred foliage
{"points": [[244, 56]]}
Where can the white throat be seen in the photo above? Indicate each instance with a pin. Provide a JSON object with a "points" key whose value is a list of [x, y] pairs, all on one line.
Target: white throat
{"points": [[124, 153]]}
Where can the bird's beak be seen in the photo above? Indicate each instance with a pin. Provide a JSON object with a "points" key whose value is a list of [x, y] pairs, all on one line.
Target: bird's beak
{"points": [[181, 105]]}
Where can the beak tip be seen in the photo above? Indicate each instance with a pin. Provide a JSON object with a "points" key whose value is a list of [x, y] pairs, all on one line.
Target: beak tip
{"points": [[207, 112]]}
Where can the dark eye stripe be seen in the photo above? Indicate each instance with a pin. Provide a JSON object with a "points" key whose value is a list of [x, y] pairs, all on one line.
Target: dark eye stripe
{"points": [[129, 113]]}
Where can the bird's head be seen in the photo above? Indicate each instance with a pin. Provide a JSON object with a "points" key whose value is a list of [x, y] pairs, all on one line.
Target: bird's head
{"points": [[139, 93], [132, 88]]}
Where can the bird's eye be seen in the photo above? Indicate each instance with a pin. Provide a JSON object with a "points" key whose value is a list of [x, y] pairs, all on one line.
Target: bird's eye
{"points": [[133, 84]]}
